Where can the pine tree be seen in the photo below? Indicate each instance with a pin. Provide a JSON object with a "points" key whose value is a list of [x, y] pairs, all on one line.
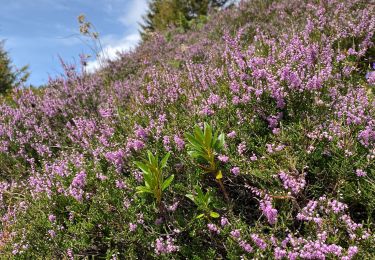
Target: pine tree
{"points": [[163, 13], [9, 77]]}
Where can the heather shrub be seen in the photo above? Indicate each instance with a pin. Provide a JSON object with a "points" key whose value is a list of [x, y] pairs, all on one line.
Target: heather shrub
{"points": [[264, 116]]}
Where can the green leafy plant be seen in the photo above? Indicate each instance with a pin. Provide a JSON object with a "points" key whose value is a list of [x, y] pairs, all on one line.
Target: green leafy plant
{"points": [[204, 146], [203, 201], [154, 182]]}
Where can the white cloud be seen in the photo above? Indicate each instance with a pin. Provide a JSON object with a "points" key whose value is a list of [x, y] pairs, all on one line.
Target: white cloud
{"points": [[111, 49], [135, 9], [133, 14]]}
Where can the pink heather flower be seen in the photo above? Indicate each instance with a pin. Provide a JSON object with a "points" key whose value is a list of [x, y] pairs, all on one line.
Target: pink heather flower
{"points": [[70, 254], [79, 180], [140, 132], [360, 173], [120, 184], [105, 112], [259, 241], [235, 170], [245, 246], [135, 144], [126, 203], [223, 158], [165, 246], [173, 207], [213, 228], [352, 251], [138, 176], [279, 253], [270, 148], [294, 183], [52, 218], [276, 131], [253, 157], [231, 134], [116, 157], [370, 76], [140, 219], [166, 142], [78, 183], [52, 233], [241, 148], [279, 147], [132, 227], [235, 233], [268, 211], [179, 142], [224, 221], [101, 177]]}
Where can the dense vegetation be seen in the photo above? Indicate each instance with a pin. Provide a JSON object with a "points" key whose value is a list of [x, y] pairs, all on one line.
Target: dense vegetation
{"points": [[9, 76], [163, 14], [250, 136]]}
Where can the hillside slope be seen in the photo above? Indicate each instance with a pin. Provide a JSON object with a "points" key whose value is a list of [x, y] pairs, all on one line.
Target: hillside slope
{"points": [[267, 110]]}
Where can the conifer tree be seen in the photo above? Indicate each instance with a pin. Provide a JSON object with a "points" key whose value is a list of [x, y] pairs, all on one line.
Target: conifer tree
{"points": [[163, 13], [9, 77]]}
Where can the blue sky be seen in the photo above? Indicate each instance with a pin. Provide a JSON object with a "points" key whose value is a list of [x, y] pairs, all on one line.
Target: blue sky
{"points": [[37, 32]]}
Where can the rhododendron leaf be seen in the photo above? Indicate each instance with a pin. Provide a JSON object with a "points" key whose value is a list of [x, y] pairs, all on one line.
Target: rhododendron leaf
{"points": [[163, 162], [207, 134], [191, 197], [198, 134], [143, 167], [148, 180], [221, 141], [143, 189], [214, 214], [167, 182], [193, 142], [200, 216], [214, 139]]}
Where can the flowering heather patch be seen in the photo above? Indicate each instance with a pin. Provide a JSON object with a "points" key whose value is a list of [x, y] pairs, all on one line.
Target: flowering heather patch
{"points": [[289, 85]]}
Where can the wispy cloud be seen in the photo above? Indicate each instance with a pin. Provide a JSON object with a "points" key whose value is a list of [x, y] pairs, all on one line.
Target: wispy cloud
{"points": [[112, 48], [133, 13]]}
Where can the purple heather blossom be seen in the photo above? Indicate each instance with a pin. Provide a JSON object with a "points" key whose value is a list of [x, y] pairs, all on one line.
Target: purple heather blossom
{"points": [[370, 76], [120, 184], [223, 158], [52, 233], [224, 221], [268, 211], [360, 173], [165, 246], [213, 228], [232, 134], [78, 183], [179, 142], [241, 148], [132, 227], [52, 218], [140, 132], [173, 207], [235, 233], [245, 246], [235, 170], [166, 143], [295, 183], [138, 175], [259, 241]]}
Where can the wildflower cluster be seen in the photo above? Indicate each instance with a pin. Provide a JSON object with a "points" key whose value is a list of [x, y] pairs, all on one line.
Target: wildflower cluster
{"points": [[252, 136]]}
